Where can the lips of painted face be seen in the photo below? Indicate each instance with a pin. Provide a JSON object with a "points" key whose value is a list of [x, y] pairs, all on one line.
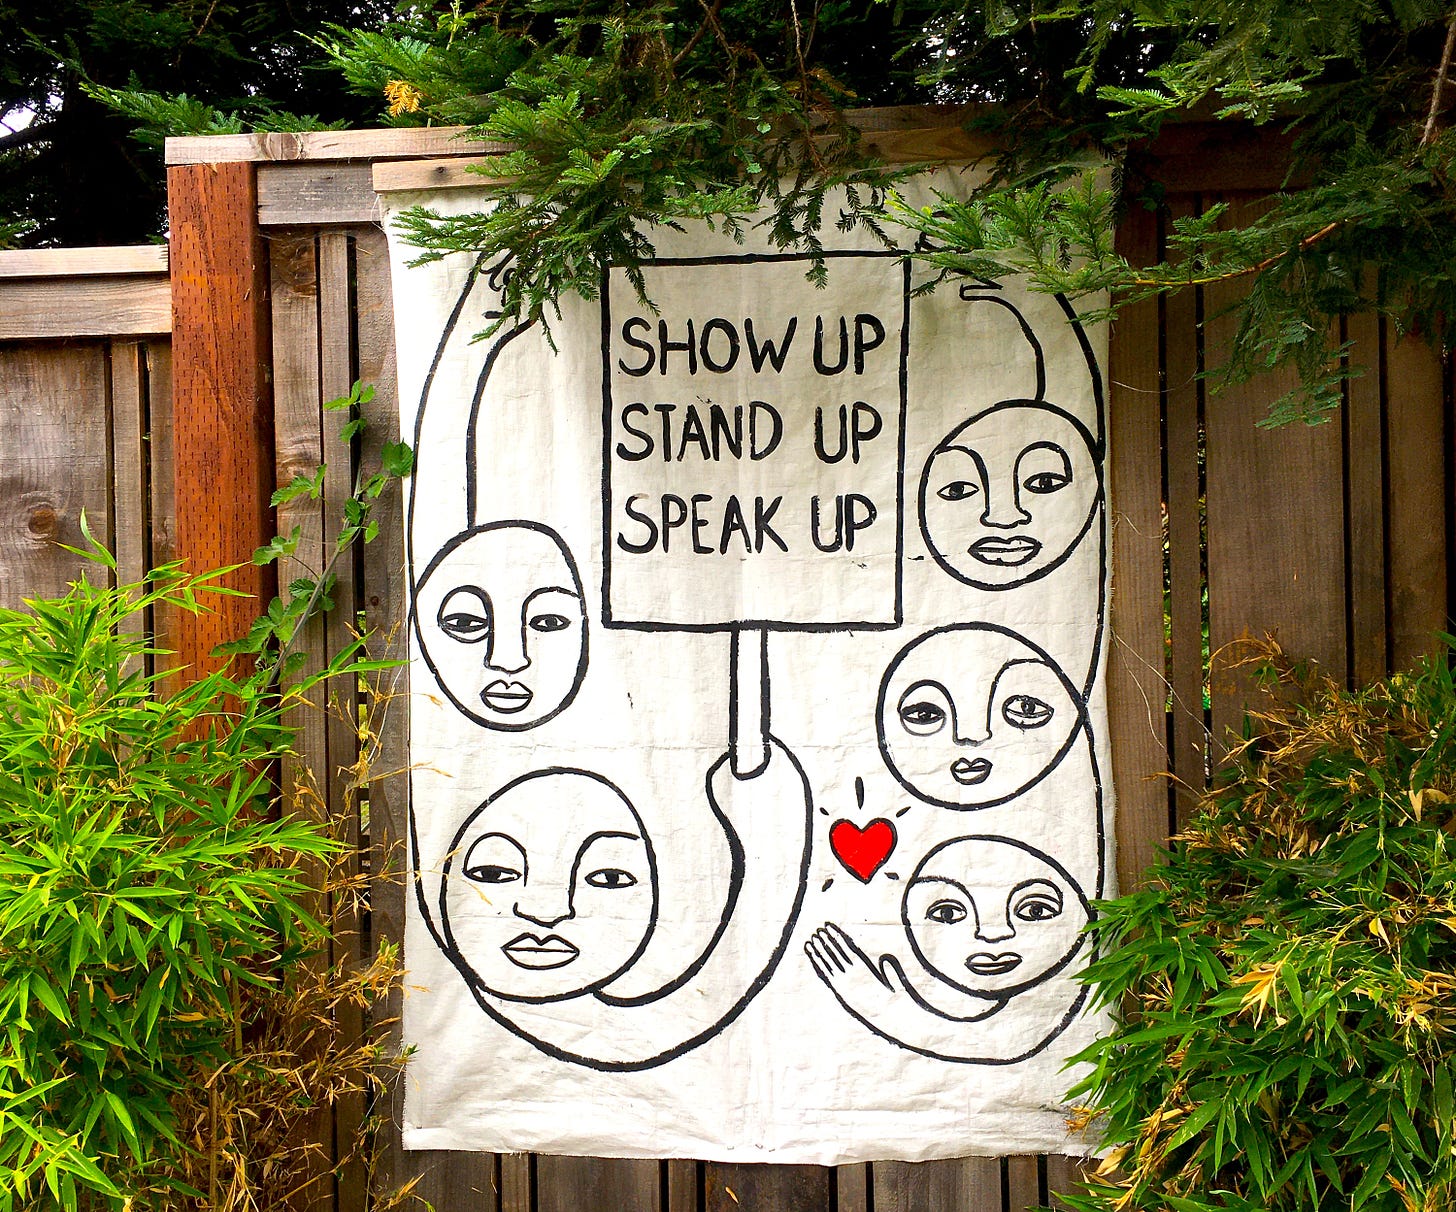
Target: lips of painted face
{"points": [[502, 626], [1007, 494], [992, 916], [551, 888], [972, 715]]}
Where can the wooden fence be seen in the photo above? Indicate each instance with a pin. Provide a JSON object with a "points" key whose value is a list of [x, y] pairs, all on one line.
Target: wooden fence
{"points": [[1337, 538]]}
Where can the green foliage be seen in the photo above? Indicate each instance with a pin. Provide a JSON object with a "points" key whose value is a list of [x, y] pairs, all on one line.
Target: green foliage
{"points": [[141, 882], [1289, 978], [271, 639], [622, 118], [618, 119], [159, 117], [151, 901]]}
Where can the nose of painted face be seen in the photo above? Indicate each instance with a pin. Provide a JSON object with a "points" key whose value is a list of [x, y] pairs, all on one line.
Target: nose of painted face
{"points": [[550, 889], [972, 714], [1007, 494], [501, 624], [992, 916]]}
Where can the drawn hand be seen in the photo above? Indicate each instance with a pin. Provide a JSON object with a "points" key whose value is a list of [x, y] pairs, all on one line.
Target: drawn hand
{"points": [[776, 799], [865, 989]]}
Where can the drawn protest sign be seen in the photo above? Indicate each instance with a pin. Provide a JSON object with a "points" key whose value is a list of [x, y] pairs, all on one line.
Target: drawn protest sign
{"points": [[756, 441], [756, 708]]}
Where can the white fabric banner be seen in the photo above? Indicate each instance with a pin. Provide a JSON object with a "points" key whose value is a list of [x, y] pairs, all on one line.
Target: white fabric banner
{"points": [[757, 727]]}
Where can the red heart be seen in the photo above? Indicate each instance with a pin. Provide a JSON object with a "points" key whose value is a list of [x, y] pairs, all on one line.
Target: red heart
{"points": [[862, 851]]}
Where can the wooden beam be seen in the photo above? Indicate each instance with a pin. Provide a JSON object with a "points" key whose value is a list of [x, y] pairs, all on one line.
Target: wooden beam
{"points": [[44, 308], [309, 193], [326, 145], [929, 145], [222, 404], [83, 262], [429, 174]]}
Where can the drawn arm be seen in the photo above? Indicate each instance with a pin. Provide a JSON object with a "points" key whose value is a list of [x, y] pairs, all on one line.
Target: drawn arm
{"points": [[766, 819], [981, 1032]]}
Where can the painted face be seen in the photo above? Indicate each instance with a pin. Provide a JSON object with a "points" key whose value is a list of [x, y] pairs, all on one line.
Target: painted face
{"points": [[551, 887], [973, 714], [501, 622], [1007, 495], [992, 916]]}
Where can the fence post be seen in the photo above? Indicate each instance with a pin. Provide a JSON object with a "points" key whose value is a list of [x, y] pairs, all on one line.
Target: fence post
{"points": [[223, 404]]}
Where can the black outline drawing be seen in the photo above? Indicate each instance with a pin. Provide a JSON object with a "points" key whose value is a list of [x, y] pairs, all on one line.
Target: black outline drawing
{"points": [[430, 649], [836, 847], [769, 624], [985, 290], [954, 561], [713, 988], [530, 953], [495, 277], [953, 1019], [971, 768], [709, 993]]}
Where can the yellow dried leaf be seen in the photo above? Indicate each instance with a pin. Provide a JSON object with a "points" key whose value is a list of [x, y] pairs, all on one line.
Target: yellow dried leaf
{"points": [[403, 97], [1112, 1161], [1377, 928]]}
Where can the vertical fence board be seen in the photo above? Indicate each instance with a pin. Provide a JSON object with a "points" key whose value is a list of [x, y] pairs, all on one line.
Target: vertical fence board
{"points": [[1063, 1175], [222, 408], [1136, 683], [161, 499], [336, 374], [972, 1184], [443, 1179], [1276, 519], [852, 1188], [1365, 503], [1023, 1184], [1416, 498], [750, 1188], [1184, 503], [517, 1188], [129, 489], [53, 430], [573, 1184], [683, 1182], [299, 445]]}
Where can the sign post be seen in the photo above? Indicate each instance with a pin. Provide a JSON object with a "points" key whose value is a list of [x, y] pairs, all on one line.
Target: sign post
{"points": [[753, 433]]}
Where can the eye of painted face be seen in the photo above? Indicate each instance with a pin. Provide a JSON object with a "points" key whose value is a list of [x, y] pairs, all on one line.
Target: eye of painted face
{"points": [[611, 877], [548, 622], [947, 912], [490, 873], [1036, 901], [1044, 469], [957, 490], [465, 615], [924, 709], [495, 859], [1025, 712]]}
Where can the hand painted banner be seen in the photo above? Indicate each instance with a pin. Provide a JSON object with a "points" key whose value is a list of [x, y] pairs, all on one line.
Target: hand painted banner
{"points": [[757, 720]]}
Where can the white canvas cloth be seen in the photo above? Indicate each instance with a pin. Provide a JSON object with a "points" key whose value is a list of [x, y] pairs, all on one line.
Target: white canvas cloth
{"points": [[760, 770]]}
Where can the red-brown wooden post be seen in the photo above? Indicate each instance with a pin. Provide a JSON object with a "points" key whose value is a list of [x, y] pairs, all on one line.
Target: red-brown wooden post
{"points": [[223, 407]]}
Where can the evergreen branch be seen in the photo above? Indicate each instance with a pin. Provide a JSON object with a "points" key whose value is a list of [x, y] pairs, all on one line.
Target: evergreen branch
{"points": [[1244, 271], [1439, 86], [36, 132], [703, 27]]}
